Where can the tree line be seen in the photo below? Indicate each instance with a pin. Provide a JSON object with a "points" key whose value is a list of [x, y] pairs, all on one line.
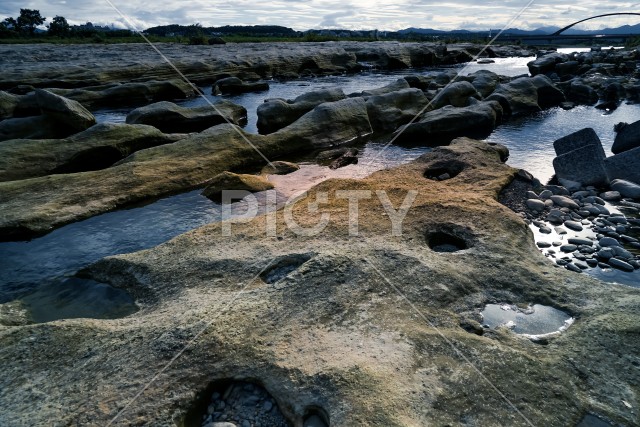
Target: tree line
{"points": [[27, 22]]}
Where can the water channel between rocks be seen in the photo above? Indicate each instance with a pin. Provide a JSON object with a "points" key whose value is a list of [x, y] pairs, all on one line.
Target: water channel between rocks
{"points": [[40, 272]]}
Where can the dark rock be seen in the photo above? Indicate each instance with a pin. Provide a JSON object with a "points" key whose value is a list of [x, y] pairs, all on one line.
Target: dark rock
{"points": [[171, 118], [280, 167], [626, 188], [545, 64], [275, 114], [581, 138], [627, 137], [582, 94], [583, 165], [521, 94], [621, 265], [233, 85], [8, 104], [67, 113], [548, 94], [348, 158], [484, 81], [439, 127], [456, 94], [624, 166]]}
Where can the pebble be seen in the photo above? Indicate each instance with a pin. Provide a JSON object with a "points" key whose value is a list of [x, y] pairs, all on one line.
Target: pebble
{"points": [[531, 195], [561, 262], [543, 244], [545, 194], [576, 226], [592, 262], [557, 243], [606, 253], [619, 264], [565, 202], [573, 267], [535, 204], [581, 265], [580, 241], [560, 230], [568, 248], [611, 196], [608, 241], [545, 230]]}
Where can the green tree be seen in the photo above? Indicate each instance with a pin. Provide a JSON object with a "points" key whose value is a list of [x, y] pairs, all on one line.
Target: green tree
{"points": [[29, 19], [8, 28], [58, 27]]}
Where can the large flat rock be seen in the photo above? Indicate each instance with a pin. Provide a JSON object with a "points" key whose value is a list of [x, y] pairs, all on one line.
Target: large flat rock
{"points": [[367, 328]]}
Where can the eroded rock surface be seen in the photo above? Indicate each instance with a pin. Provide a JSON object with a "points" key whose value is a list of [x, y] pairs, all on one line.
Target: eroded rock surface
{"points": [[333, 328]]}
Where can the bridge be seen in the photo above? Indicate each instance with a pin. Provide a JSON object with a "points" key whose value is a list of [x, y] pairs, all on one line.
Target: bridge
{"points": [[558, 37]]}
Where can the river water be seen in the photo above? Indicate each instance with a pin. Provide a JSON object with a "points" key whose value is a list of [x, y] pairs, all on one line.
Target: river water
{"points": [[41, 272]]}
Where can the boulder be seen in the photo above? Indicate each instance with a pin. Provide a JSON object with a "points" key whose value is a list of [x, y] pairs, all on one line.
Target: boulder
{"points": [[545, 64], [387, 112], [233, 181], [567, 68], [67, 113], [274, 114], [548, 94], [580, 158], [8, 104], [391, 87], [233, 85], [36, 127], [171, 118], [279, 167], [627, 137], [419, 81], [456, 94], [132, 93], [96, 148], [581, 93], [625, 165], [484, 81], [328, 124], [579, 139], [439, 127], [626, 188], [521, 94]]}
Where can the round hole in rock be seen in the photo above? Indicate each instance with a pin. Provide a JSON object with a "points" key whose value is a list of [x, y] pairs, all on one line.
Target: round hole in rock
{"points": [[443, 170], [238, 402], [283, 267], [315, 417]]}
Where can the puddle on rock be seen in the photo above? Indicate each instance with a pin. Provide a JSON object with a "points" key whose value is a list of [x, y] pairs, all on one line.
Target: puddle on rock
{"points": [[533, 321], [78, 298]]}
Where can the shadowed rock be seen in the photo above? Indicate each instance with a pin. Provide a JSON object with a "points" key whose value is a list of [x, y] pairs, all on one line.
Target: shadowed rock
{"points": [[234, 86], [627, 137], [387, 112], [274, 114], [521, 94], [171, 118], [233, 181]]}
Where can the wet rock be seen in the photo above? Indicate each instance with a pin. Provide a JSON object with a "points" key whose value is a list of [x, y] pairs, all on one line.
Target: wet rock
{"points": [[580, 158], [280, 167], [68, 113], [621, 265], [548, 94], [37, 127], [582, 94], [234, 86], [611, 196], [608, 241], [349, 157], [439, 127], [545, 64], [627, 137], [171, 118], [388, 111], [231, 181], [275, 114], [626, 188], [568, 248], [580, 241]]}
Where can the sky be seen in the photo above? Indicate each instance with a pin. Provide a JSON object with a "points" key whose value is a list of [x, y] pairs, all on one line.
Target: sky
{"points": [[346, 14]]}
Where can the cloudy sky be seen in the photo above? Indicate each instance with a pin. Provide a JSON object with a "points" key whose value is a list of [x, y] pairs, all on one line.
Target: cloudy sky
{"points": [[348, 14]]}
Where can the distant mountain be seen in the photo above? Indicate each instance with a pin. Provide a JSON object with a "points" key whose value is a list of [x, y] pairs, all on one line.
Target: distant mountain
{"points": [[625, 29]]}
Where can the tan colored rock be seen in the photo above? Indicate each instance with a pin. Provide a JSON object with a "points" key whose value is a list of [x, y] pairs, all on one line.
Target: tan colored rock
{"points": [[369, 329], [233, 181]]}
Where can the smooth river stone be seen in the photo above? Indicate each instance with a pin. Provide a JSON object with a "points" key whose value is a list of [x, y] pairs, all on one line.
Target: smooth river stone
{"points": [[608, 241], [568, 248], [621, 265], [573, 225], [565, 202], [580, 241]]}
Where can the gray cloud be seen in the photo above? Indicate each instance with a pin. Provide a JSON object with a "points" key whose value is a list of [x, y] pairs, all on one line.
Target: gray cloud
{"points": [[353, 14]]}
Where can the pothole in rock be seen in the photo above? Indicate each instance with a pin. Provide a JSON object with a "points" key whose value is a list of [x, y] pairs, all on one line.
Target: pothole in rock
{"points": [[441, 171], [450, 238], [535, 321], [78, 298], [239, 404], [283, 267], [315, 417]]}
